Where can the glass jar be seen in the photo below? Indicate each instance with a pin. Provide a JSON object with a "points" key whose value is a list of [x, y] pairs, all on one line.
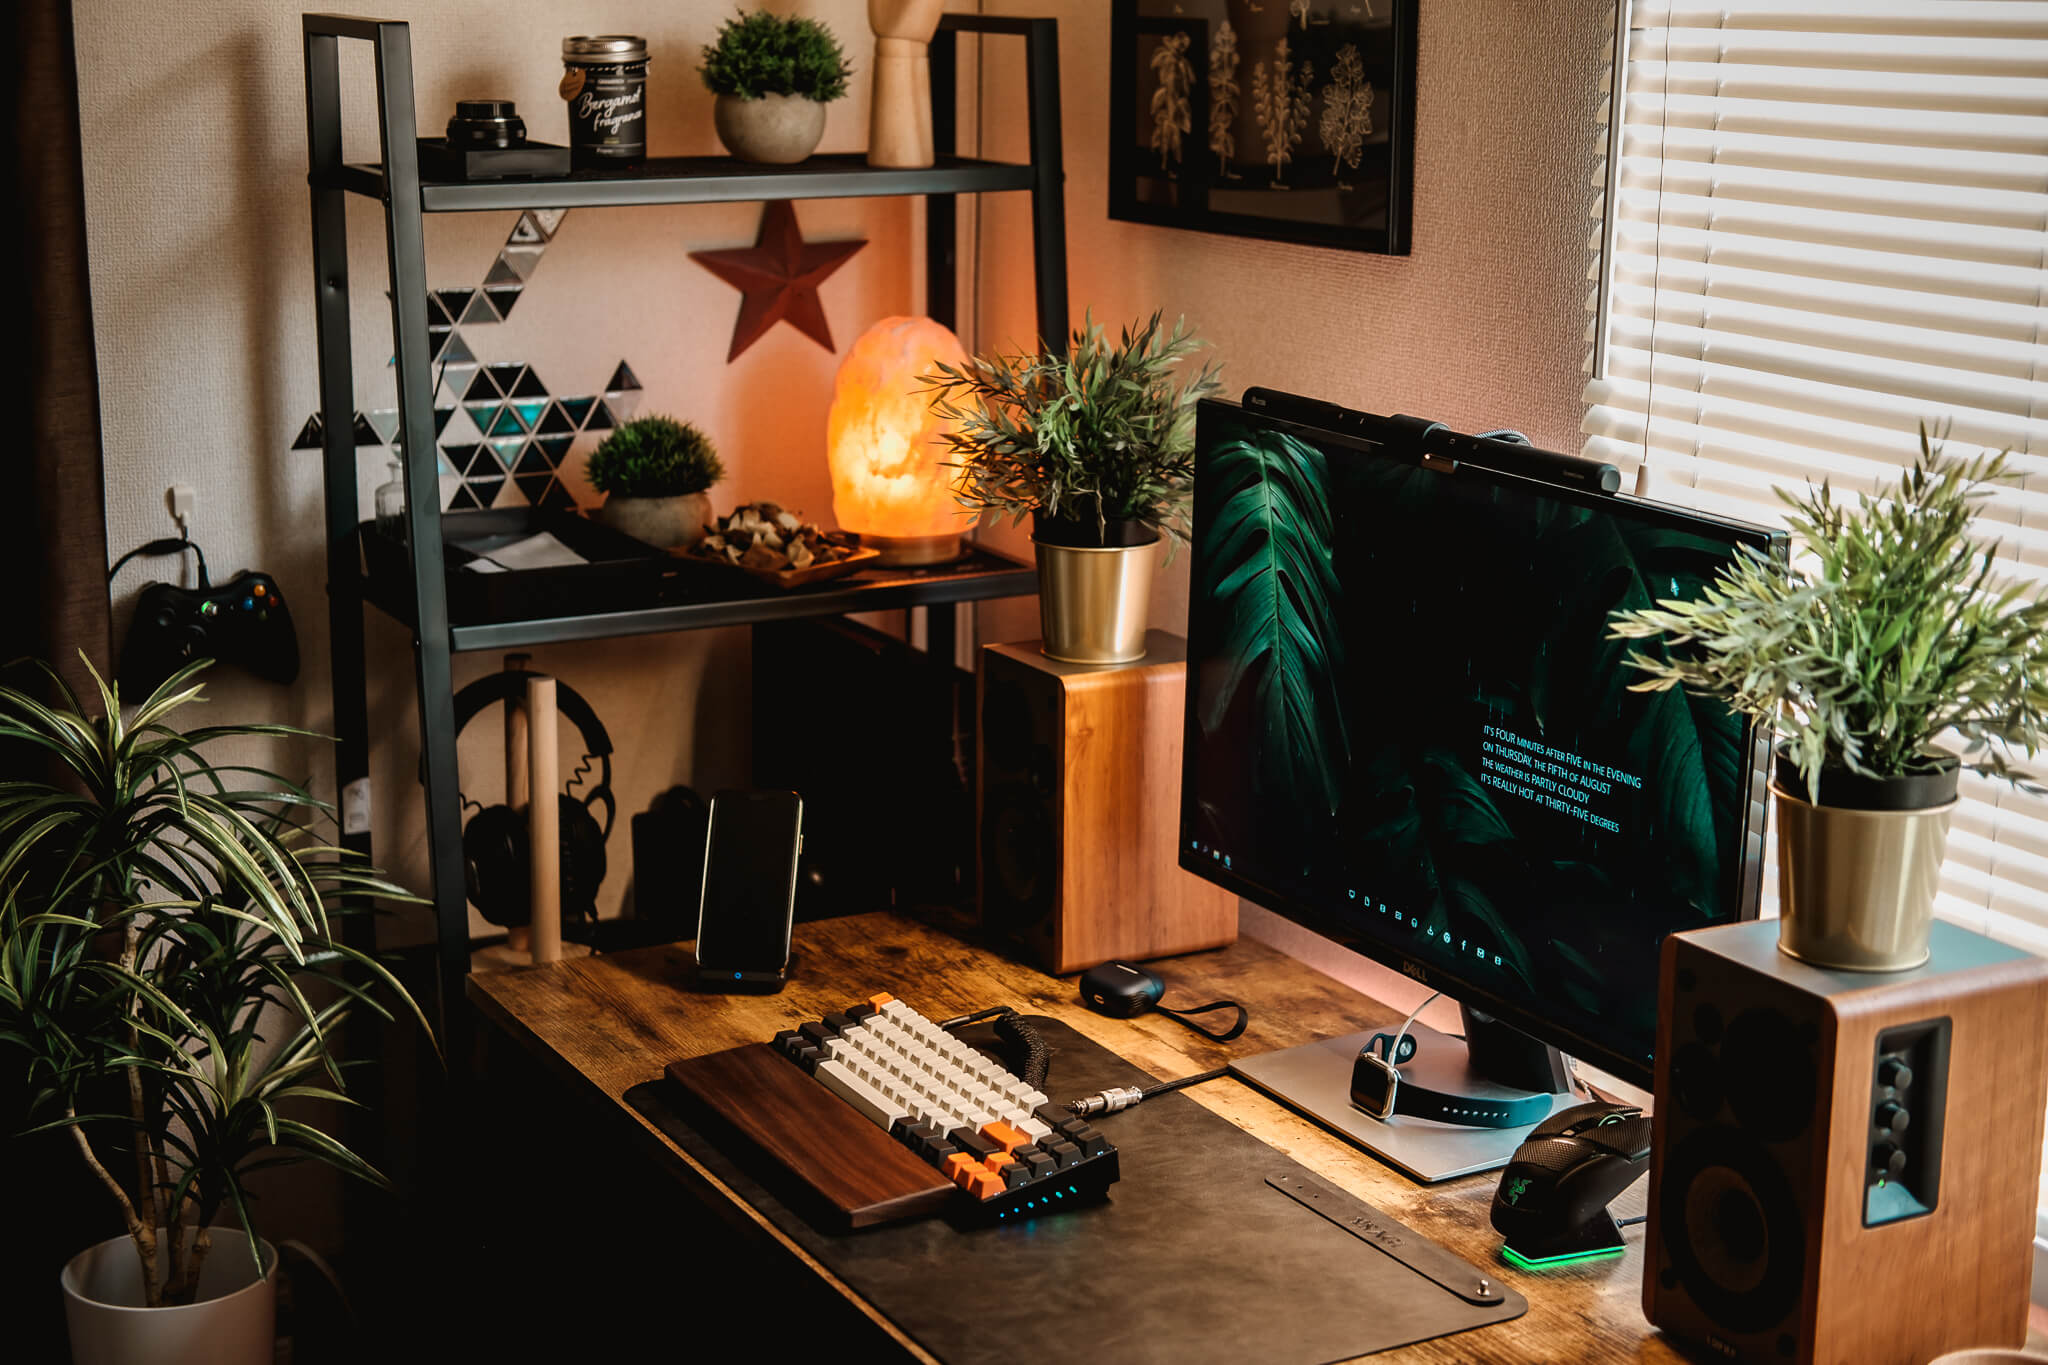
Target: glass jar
{"points": [[604, 82], [391, 505]]}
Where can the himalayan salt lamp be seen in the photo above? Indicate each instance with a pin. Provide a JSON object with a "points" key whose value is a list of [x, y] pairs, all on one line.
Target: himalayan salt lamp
{"points": [[885, 446]]}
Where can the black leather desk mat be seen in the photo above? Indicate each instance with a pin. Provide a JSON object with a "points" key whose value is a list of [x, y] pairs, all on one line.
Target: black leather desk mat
{"points": [[1193, 1258]]}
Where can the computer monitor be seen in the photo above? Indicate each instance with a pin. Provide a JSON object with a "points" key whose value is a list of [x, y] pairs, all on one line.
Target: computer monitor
{"points": [[1409, 730]]}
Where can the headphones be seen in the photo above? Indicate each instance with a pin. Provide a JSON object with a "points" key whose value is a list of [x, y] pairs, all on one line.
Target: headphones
{"points": [[495, 867]]}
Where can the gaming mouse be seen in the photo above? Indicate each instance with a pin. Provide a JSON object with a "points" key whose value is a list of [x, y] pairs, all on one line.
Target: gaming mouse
{"points": [[1120, 989], [1553, 1196]]}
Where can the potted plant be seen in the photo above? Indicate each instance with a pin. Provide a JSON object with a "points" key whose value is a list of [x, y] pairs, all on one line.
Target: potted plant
{"points": [[1889, 634], [164, 932], [1096, 445], [773, 78], [654, 472]]}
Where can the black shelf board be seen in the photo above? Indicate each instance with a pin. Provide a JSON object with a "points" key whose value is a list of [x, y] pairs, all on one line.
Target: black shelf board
{"points": [[728, 598], [702, 180]]}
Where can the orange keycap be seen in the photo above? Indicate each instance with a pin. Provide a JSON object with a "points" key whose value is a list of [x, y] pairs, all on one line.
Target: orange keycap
{"points": [[956, 1163], [985, 1186], [1003, 1135], [998, 1161], [880, 998], [966, 1176]]}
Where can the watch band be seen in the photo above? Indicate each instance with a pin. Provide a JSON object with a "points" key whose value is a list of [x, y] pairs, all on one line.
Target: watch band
{"points": [[1378, 1088], [1470, 1111]]}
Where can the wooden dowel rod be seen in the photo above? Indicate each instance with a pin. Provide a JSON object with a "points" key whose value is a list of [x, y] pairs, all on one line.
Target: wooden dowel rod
{"points": [[543, 826], [516, 786]]}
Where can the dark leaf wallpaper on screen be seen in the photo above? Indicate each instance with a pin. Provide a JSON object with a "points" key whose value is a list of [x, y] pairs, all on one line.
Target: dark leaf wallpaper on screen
{"points": [[1410, 717]]}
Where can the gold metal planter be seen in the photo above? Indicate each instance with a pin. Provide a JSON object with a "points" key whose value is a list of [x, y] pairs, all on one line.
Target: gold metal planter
{"points": [[1856, 887], [1093, 603]]}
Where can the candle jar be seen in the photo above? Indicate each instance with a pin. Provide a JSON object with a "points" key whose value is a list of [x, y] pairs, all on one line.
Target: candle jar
{"points": [[604, 81]]}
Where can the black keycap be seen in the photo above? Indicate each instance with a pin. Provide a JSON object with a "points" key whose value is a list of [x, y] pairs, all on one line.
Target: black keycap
{"points": [[1025, 1151], [786, 1039], [1015, 1175], [818, 1033], [933, 1150], [1071, 1126], [1040, 1163], [1091, 1142], [861, 1013], [838, 1023], [1053, 1115], [1064, 1153], [900, 1130], [973, 1143]]}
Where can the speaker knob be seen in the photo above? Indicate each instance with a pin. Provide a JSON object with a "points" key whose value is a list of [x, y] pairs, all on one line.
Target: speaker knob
{"points": [[1895, 1074], [1893, 1118], [1888, 1160]]}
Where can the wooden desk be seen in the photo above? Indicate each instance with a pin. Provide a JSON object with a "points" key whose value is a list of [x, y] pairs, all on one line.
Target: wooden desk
{"points": [[606, 1024]]}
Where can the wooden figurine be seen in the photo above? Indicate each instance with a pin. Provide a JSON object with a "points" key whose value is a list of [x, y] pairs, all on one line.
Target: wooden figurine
{"points": [[900, 112]]}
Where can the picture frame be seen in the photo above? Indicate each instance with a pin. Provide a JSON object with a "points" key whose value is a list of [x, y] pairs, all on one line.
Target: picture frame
{"points": [[1290, 120]]}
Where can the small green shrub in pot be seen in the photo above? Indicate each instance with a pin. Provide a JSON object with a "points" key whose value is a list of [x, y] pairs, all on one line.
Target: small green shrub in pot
{"points": [[1096, 446], [773, 78], [654, 473], [1890, 635]]}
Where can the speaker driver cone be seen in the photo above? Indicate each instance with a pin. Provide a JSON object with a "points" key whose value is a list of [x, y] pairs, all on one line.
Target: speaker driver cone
{"points": [[1732, 1228]]}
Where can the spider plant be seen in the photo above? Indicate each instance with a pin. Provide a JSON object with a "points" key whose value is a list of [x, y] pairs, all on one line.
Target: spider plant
{"points": [[165, 933]]}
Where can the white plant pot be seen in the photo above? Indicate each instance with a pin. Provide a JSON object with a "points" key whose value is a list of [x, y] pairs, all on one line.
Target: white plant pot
{"points": [[232, 1320], [775, 130], [670, 523]]}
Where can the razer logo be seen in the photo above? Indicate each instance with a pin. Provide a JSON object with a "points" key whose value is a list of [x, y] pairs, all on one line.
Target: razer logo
{"points": [[1515, 1188]]}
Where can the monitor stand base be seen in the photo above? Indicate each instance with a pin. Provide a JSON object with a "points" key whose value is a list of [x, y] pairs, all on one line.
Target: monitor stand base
{"points": [[1315, 1079]]}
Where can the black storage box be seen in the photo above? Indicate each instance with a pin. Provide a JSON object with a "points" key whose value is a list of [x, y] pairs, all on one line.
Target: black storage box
{"points": [[622, 573]]}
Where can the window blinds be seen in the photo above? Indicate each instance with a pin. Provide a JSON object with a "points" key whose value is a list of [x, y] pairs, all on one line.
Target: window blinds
{"points": [[1824, 223]]}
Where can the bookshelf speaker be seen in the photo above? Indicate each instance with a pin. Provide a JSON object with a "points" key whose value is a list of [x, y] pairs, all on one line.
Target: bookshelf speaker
{"points": [[1079, 810], [1844, 1164]]}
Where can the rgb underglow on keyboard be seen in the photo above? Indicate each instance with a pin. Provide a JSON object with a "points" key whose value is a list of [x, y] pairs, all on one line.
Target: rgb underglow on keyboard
{"points": [[1011, 1151]]}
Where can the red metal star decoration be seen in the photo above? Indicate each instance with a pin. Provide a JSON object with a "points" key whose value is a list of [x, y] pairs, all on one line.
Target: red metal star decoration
{"points": [[778, 278]]}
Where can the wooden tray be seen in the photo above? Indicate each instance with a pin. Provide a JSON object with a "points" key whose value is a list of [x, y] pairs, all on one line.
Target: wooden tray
{"points": [[861, 558]]}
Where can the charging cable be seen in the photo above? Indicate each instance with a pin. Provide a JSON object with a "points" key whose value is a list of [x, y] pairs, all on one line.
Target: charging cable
{"points": [[1118, 1098], [169, 545]]}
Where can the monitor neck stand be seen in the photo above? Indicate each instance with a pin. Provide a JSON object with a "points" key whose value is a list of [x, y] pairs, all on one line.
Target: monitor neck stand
{"points": [[1492, 1061]]}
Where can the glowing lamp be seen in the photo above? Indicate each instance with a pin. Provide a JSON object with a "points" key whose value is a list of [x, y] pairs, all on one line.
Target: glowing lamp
{"points": [[885, 446]]}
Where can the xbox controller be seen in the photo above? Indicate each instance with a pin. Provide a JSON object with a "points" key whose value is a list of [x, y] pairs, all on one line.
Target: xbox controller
{"points": [[242, 621]]}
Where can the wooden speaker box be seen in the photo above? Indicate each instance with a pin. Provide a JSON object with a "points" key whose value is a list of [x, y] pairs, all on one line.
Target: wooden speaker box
{"points": [[1078, 807], [1845, 1163]]}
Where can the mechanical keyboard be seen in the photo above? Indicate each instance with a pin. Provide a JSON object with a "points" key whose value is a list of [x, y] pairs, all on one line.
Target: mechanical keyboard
{"points": [[1010, 1152]]}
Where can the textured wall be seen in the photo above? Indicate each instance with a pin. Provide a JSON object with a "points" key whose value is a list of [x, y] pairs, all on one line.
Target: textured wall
{"points": [[197, 212], [1479, 326]]}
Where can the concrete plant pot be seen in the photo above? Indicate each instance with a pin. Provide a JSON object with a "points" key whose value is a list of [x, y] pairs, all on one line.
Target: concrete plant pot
{"points": [[232, 1320], [775, 130], [672, 523]]}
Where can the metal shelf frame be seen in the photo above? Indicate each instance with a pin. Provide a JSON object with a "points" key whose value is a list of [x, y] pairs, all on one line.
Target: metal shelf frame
{"points": [[395, 183]]}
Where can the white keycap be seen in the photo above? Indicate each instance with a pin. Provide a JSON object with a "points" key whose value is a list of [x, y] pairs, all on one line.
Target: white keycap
{"points": [[1039, 1131], [841, 1081]]}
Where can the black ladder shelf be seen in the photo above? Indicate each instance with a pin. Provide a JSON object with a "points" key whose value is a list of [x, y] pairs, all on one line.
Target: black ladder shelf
{"points": [[406, 198]]}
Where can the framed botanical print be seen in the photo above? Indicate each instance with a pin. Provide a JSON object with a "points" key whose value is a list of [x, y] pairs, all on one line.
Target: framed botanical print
{"points": [[1288, 119]]}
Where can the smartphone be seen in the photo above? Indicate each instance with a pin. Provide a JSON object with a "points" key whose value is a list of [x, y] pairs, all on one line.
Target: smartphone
{"points": [[748, 897]]}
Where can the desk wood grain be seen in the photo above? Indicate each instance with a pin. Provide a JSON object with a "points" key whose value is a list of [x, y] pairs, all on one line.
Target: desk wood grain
{"points": [[608, 1023]]}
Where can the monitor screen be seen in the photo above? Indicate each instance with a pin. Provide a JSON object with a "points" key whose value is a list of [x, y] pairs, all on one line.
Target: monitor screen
{"points": [[1409, 729]]}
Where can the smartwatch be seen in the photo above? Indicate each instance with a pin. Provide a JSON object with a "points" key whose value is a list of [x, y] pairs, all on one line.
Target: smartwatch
{"points": [[1378, 1090]]}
